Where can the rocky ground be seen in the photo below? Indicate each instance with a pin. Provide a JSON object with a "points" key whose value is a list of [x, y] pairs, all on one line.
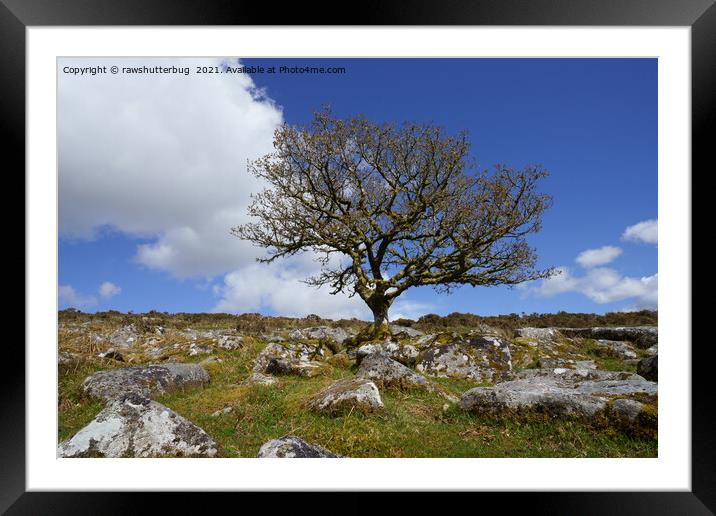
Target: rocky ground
{"points": [[152, 385]]}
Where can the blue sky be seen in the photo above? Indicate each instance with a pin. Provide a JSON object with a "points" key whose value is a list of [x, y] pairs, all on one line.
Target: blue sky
{"points": [[152, 176]]}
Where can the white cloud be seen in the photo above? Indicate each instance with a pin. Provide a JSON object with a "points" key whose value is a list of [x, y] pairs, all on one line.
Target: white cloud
{"points": [[108, 290], [278, 287], [645, 231], [601, 256], [162, 156], [69, 298], [601, 285]]}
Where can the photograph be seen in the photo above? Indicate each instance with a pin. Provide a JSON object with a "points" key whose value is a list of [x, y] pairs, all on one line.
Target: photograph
{"points": [[357, 257]]}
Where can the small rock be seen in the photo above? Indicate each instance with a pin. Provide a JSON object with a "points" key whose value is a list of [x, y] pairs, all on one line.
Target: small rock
{"points": [[538, 334], [134, 426], [229, 342], [260, 379], [649, 368], [111, 354], [225, 410], [617, 349], [346, 395], [307, 369], [629, 409], [292, 447], [210, 360], [406, 354], [405, 330], [299, 351], [65, 358]]}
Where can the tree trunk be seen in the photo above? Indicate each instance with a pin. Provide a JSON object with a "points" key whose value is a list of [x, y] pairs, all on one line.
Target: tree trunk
{"points": [[379, 306]]}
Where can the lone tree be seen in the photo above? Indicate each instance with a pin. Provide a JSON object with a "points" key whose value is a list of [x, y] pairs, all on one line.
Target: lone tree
{"points": [[387, 208]]}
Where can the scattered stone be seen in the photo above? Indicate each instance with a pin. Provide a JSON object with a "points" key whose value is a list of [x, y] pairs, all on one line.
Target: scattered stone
{"points": [[484, 358], [615, 348], [649, 368], [346, 395], [405, 330], [112, 355], [560, 392], [146, 380], [585, 364], [642, 337], [134, 426], [292, 447], [229, 342], [389, 373], [406, 354], [260, 379], [653, 350], [305, 368], [299, 351], [198, 349], [220, 412], [629, 409], [337, 335], [210, 360], [66, 359], [124, 337], [538, 334]]}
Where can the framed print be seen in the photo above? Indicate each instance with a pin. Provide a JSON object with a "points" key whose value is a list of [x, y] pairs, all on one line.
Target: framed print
{"points": [[423, 250]]}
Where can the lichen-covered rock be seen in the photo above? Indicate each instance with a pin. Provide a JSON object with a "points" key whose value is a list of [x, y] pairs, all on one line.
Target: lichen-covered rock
{"points": [[146, 380], [649, 368], [641, 336], [559, 392], [615, 348], [124, 337], [343, 396], [305, 368], [292, 351], [389, 373], [483, 358], [337, 335], [629, 409], [229, 342], [538, 334], [198, 349], [405, 330], [404, 353], [134, 426], [66, 359], [292, 447]]}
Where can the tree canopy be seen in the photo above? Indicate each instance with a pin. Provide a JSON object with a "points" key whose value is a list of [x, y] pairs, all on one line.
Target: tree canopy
{"points": [[386, 208]]}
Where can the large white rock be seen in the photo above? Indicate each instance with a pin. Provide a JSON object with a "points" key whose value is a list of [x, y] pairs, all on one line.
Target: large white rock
{"points": [[580, 392], [146, 380], [134, 426], [483, 358]]}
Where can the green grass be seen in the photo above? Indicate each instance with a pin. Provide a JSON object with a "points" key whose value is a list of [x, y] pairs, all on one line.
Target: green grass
{"points": [[413, 424]]}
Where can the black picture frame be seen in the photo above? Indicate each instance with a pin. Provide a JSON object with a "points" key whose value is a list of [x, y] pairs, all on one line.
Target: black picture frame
{"points": [[700, 15]]}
